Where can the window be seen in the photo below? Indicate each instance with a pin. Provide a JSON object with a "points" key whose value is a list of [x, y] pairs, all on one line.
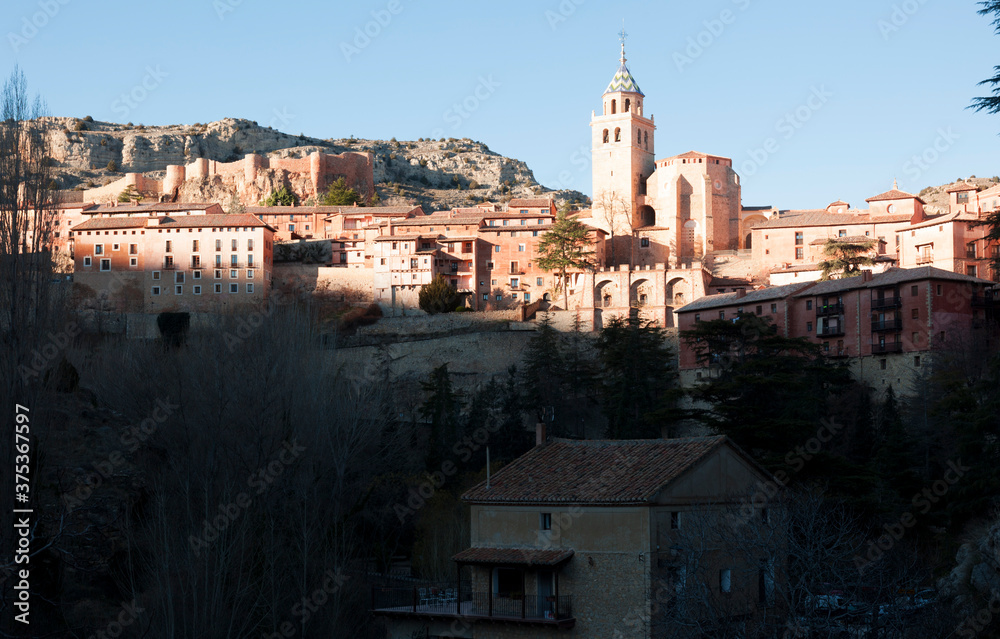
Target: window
{"points": [[938, 289], [133, 249], [760, 310], [527, 297], [235, 245], [916, 361], [197, 290], [116, 247], [675, 520], [133, 261], [499, 298], [774, 308], [218, 274], [250, 244], [249, 288], [514, 282], [156, 275], [155, 290], [178, 290], [250, 274], [809, 327], [381, 262], [915, 313], [496, 249], [86, 261], [722, 315], [539, 281], [170, 246], [800, 254], [842, 233], [809, 305], [882, 364], [486, 296], [913, 291], [915, 338], [218, 288], [194, 246], [218, 245], [234, 274], [520, 248], [799, 239], [697, 317], [179, 277], [644, 242], [514, 296], [105, 265], [99, 249], [970, 270], [234, 288], [250, 259], [725, 581]]}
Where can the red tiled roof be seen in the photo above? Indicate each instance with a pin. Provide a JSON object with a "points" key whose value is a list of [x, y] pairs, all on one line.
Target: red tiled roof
{"points": [[529, 203], [513, 556], [594, 471], [894, 194], [962, 186], [838, 203], [165, 207], [192, 221], [850, 239]]}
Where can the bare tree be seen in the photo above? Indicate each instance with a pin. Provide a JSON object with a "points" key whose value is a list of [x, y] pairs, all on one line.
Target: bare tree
{"points": [[613, 210]]}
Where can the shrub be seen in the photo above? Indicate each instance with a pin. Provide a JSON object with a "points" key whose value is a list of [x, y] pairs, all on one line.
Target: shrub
{"points": [[104, 142], [473, 185], [88, 119], [280, 197], [439, 296], [423, 162], [357, 317], [79, 125], [113, 166]]}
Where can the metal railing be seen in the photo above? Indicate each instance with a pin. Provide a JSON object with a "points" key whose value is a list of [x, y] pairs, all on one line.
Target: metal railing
{"points": [[447, 600], [887, 302], [924, 258], [830, 331], [887, 325], [889, 347], [829, 309]]}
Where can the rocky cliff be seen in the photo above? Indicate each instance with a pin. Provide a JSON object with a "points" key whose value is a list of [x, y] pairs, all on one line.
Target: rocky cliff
{"points": [[437, 174]]}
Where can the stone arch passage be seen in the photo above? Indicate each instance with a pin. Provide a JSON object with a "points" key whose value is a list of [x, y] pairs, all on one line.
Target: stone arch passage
{"points": [[604, 294], [641, 293], [647, 216]]}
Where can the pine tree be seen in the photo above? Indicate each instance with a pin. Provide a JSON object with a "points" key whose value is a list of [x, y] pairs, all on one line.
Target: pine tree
{"points": [[541, 376], [441, 410], [991, 103], [564, 247], [846, 258], [439, 296], [339, 194]]}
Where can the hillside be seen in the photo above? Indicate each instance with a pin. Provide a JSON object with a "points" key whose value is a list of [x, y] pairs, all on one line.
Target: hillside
{"points": [[438, 175], [937, 197]]}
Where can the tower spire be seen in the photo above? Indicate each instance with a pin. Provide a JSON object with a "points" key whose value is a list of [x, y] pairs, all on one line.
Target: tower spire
{"points": [[623, 36]]}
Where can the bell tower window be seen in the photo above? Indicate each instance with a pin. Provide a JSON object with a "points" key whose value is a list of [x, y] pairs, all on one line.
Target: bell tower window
{"points": [[614, 107], [606, 136], [628, 105], [618, 135]]}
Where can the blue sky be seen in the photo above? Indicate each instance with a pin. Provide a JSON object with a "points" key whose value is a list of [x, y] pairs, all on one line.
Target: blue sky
{"points": [[813, 101]]}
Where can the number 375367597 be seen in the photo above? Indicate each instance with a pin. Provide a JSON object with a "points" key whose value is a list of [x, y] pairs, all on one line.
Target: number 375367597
{"points": [[22, 445]]}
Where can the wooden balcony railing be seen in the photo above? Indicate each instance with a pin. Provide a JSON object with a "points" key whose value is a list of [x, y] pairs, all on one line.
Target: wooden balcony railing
{"points": [[438, 601]]}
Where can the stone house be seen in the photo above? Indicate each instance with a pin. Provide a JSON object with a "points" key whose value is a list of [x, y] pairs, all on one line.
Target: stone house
{"points": [[575, 539]]}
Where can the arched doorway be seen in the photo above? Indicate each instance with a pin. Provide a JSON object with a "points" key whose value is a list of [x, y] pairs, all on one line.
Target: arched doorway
{"points": [[748, 241], [605, 294], [641, 293], [647, 216]]}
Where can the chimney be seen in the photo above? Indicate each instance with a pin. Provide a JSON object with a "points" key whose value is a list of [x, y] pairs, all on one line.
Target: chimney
{"points": [[741, 293], [866, 276], [152, 220], [540, 434]]}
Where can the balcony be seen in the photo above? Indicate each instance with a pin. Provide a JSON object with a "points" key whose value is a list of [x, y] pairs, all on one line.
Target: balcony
{"points": [[169, 266], [830, 331], [839, 353], [829, 309], [894, 325], [888, 347], [233, 265], [446, 602], [887, 302], [925, 258]]}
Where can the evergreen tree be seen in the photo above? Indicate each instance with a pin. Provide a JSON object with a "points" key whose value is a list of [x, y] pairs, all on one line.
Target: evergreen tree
{"points": [[339, 194], [541, 377], [564, 247], [769, 393], [991, 103], [845, 258], [639, 381], [280, 197], [439, 296], [441, 410]]}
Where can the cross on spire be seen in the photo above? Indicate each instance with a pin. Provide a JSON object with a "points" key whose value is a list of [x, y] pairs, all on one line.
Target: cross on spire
{"points": [[623, 35]]}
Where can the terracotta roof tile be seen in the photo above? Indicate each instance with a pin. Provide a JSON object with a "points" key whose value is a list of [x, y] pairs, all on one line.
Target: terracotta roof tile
{"points": [[594, 472], [529, 203], [730, 299], [962, 186], [186, 221], [894, 194]]}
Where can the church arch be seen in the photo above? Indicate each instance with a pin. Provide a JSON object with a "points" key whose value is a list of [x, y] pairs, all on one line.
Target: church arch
{"points": [[618, 134], [628, 105], [614, 107], [606, 136], [647, 216], [604, 294]]}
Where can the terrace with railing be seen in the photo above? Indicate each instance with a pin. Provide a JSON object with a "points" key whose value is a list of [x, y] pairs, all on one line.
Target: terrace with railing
{"points": [[449, 602]]}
